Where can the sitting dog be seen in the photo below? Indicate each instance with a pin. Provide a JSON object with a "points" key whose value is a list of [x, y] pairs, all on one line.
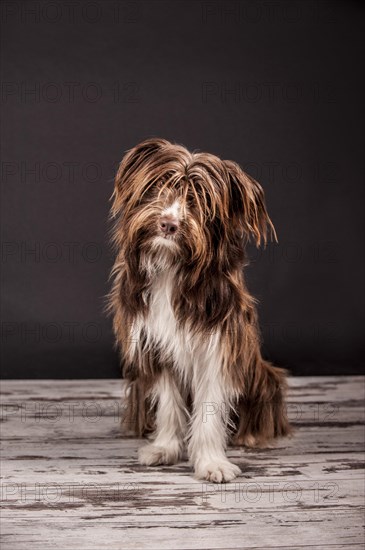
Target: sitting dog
{"points": [[183, 318]]}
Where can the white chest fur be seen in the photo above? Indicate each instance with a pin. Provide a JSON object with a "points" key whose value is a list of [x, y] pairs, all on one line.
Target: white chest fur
{"points": [[161, 326]]}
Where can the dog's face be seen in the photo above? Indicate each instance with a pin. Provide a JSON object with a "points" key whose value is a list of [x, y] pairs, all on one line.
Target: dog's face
{"points": [[193, 207]]}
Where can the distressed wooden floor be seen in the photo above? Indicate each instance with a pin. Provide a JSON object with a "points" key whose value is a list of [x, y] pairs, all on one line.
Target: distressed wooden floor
{"points": [[69, 481]]}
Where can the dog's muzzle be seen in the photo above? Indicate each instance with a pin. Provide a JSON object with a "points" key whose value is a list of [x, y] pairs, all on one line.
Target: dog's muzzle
{"points": [[168, 226]]}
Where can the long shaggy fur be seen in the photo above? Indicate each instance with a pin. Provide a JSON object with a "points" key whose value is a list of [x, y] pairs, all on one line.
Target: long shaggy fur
{"points": [[184, 321]]}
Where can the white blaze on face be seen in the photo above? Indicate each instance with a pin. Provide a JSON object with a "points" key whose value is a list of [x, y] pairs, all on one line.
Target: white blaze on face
{"points": [[173, 211]]}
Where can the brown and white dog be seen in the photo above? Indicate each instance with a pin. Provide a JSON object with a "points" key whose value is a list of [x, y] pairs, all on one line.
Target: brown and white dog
{"points": [[184, 320]]}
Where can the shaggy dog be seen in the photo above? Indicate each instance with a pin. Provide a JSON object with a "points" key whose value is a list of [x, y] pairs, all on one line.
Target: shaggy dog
{"points": [[184, 320]]}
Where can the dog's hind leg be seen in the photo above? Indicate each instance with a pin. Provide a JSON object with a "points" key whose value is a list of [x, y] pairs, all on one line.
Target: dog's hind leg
{"points": [[261, 412]]}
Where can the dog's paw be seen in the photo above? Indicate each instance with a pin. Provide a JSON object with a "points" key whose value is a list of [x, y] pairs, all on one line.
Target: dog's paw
{"points": [[152, 455], [251, 442], [217, 471], [247, 440]]}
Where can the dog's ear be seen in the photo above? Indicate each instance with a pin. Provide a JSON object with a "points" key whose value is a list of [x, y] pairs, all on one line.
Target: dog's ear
{"points": [[247, 205], [132, 172]]}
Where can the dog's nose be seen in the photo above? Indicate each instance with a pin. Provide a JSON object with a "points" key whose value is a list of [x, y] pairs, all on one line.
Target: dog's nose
{"points": [[168, 226]]}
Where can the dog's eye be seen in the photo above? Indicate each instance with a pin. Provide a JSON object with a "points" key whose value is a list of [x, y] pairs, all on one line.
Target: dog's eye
{"points": [[161, 184], [160, 187]]}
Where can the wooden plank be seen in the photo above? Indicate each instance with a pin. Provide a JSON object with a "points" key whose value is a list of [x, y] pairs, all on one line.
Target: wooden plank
{"points": [[302, 529], [71, 481], [321, 388]]}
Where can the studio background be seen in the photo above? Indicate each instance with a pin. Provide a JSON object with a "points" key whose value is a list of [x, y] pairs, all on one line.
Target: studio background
{"points": [[275, 86]]}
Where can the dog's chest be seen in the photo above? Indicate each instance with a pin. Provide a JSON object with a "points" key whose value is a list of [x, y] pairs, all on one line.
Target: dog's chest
{"points": [[161, 323], [161, 318]]}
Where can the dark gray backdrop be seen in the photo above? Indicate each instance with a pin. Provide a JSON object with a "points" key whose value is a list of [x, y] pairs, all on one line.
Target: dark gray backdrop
{"points": [[275, 86]]}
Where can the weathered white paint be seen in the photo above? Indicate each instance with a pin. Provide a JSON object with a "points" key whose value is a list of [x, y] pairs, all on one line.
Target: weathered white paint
{"points": [[70, 481]]}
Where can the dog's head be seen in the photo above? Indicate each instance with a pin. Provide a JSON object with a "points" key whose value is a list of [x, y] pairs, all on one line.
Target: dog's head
{"points": [[192, 207]]}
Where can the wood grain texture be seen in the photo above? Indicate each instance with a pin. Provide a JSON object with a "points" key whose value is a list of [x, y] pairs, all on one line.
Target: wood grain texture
{"points": [[69, 480]]}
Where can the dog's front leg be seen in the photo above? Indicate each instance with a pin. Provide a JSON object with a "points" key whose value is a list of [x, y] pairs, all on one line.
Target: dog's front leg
{"points": [[170, 424], [208, 429]]}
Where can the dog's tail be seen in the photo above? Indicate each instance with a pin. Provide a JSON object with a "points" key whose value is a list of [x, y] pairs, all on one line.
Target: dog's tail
{"points": [[261, 415]]}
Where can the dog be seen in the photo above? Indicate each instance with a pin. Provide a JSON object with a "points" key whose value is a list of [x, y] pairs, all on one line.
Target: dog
{"points": [[184, 320]]}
